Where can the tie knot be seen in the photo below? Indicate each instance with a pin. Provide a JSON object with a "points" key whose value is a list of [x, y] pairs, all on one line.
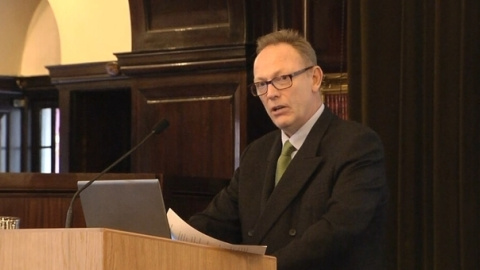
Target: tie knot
{"points": [[287, 149]]}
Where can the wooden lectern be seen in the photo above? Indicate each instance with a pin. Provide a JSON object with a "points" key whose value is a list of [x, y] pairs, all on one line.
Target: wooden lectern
{"points": [[106, 249]]}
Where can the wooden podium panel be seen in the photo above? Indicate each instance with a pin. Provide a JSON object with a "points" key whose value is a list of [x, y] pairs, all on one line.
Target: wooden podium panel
{"points": [[106, 249]]}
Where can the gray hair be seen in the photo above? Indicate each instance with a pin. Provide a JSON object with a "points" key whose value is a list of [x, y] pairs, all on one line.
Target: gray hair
{"points": [[293, 38]]}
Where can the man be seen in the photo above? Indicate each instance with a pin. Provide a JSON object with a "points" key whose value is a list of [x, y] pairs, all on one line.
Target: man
{"points": [[327, 210]]}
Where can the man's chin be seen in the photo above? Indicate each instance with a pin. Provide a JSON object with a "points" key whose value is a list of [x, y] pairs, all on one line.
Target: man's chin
{"points": [[282, 124]]}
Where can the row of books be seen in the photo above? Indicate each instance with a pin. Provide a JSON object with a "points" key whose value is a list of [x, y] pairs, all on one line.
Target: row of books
{"points": [[337, 102]]}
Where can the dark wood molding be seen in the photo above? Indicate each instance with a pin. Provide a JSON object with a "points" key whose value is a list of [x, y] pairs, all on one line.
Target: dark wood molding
{"points": [[9, 85], [158, 25], [83, 73], [219, 58]]}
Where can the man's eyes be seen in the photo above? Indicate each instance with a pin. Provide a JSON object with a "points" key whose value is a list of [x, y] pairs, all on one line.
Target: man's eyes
{"points": [[281, 78], [261, 84]]}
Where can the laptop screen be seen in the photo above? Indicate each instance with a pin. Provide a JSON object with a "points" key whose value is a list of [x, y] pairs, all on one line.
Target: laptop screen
{"points": [[128, 205]]}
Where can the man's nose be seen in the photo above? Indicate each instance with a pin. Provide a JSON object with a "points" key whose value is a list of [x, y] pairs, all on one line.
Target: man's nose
{"points": [[272, 91]]}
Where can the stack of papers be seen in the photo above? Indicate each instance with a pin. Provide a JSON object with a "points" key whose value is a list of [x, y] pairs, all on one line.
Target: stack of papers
{"points": [[180, 230]]}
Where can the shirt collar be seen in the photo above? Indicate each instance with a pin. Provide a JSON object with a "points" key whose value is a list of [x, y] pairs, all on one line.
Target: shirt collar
{"points": [[298, 138]]}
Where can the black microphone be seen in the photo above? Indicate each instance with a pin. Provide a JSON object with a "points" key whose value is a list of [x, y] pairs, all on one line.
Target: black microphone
{"points": [[159, 127]]}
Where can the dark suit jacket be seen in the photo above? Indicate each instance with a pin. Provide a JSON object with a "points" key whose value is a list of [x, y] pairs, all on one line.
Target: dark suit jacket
{"points": [[327, 211]]}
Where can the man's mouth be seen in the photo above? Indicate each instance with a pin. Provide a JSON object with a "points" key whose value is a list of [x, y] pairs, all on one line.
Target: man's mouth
{"points": [[276, 108]]}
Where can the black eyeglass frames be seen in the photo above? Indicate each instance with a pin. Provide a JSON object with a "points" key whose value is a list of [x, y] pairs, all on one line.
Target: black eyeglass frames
{"points": [[281, 82]]}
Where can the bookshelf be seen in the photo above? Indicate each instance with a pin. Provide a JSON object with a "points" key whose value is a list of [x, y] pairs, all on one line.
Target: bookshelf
{"points": [[335, 93]]}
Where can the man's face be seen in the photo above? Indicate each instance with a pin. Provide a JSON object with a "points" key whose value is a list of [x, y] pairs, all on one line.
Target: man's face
{"points": [[289, 108]]}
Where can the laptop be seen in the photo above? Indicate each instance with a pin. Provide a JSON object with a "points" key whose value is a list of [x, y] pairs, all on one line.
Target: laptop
{"points": [[128, 205]]}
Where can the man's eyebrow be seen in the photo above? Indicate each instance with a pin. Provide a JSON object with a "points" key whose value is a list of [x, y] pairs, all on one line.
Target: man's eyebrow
{"points": [[262, 79]]}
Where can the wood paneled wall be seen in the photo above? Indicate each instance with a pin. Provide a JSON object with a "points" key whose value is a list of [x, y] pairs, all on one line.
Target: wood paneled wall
{"points": [[190, 64], [42, 200], [204, 100], [95, 116]]}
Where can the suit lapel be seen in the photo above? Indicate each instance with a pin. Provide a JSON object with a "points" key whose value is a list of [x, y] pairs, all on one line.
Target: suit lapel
{"points": [[269, 181], [303, 165]]}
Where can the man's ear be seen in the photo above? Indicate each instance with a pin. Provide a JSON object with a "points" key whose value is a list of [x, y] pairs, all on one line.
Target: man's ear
{"points": [[317, 78]]}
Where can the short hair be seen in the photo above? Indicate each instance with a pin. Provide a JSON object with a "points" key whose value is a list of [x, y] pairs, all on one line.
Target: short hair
{"points": [[293, 38]]}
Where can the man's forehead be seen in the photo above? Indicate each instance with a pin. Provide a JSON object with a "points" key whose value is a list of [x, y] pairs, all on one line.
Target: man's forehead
{"points": [[274, 60]]}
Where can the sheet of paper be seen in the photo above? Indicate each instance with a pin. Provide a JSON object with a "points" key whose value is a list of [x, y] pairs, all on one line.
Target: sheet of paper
{"points": [[180, 230]]}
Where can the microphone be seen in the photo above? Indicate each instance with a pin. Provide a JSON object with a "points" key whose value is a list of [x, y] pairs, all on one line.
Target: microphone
{"points": [[159, 127]]}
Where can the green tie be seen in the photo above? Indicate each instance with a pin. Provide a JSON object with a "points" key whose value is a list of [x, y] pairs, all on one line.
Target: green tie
{"points": [[284, 160]]}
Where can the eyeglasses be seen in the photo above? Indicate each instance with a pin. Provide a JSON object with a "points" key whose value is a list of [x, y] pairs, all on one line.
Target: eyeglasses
{"points": [[280, 83]]}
